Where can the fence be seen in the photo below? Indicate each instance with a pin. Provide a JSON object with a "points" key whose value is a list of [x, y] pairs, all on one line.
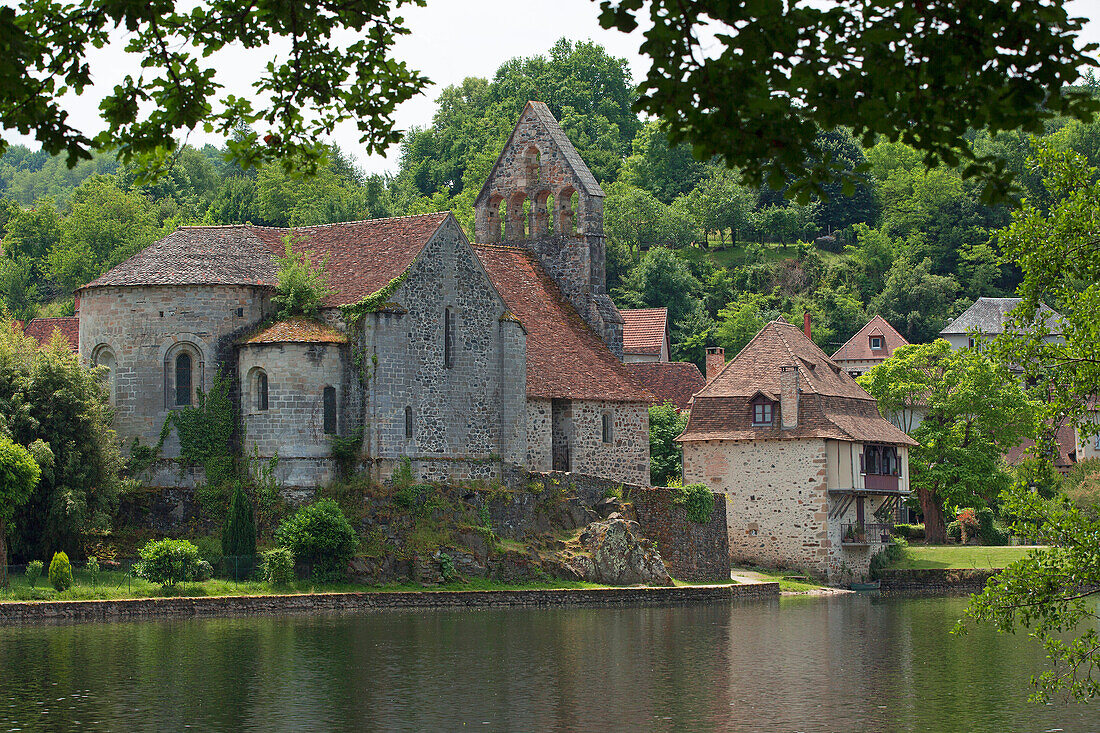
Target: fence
{"points": [[117, 578]]}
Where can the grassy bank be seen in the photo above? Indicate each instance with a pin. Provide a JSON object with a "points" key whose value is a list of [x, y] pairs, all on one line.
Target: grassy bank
{"points": [[922, 557]]}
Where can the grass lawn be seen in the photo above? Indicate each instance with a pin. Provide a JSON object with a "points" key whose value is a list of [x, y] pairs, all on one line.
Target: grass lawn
{"points": [[790, 581], [115, 585], [959, 556]]}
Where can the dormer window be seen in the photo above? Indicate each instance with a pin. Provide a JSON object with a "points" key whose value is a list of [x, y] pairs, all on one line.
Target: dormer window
{"points": [[762, 413], [876, 343]]}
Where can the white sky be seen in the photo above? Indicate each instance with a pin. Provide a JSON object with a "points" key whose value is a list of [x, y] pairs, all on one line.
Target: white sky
{"points": [[450, 40]]}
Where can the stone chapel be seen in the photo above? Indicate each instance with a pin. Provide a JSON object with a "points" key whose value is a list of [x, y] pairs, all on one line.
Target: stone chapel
{"points": [[466, 359]]}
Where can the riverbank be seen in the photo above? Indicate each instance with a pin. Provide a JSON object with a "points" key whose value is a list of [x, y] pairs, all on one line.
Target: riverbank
{"points": [[38, 612]]}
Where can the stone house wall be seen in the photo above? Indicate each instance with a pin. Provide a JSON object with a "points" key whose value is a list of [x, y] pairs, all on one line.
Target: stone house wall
{"points": [[417, 406], [696, 552], [575, 428], [778, 504], [144, 328], [293, 425]]}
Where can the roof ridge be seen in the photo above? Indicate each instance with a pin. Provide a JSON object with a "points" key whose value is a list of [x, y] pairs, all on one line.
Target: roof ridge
{"points": [[340, 223], [795, 357]]}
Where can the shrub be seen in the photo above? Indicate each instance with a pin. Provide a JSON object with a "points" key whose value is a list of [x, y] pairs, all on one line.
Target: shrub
{"points": [[954, 531], [698, 502], [167, 562], [321, 535], [202, 571], [968, 524], [239, 533], [34, 571], [61, 572], [909, 532], [278, 566], [888, 555], [210, 548], [989, 529], [92, 568]]}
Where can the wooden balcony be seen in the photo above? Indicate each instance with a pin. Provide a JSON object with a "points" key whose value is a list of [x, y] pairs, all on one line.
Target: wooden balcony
{"points": [[865, 534], [886, 483]]}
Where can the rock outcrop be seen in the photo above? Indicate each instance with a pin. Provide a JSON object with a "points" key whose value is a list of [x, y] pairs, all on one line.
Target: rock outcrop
{"points": [[620, 555]]}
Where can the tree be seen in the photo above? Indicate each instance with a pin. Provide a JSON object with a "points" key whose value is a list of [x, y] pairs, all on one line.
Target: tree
{"points": [[239, 533], [976, 411], [915, 301], [18, 477], [661, 279], [739, 321], [55, 405], [666, 172], [321, 82], [757, 82], [300, 286], [666, 422]]}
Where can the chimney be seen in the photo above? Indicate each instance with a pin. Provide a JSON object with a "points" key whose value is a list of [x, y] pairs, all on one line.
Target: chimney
{"points": [[806, 324], [716, 359], [788, 396]]}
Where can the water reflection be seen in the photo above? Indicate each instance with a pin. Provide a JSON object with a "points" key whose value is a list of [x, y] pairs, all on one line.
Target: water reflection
{"points": [[849, 663]]}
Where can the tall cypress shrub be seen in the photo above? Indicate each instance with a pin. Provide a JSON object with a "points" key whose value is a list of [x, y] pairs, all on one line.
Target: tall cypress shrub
{"points": [[239, 533]]}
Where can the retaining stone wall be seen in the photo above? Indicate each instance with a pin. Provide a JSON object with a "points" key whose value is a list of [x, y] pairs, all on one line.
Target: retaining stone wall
{"points": [[38, 612], [936, 580], [691, 551]]}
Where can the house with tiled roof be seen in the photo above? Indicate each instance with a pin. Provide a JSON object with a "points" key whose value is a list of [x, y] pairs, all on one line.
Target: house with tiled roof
{"points": [[43, 329], [870, 346], [463, 359], [987, 318], [807, 463], [645, 335], [669, 381]]}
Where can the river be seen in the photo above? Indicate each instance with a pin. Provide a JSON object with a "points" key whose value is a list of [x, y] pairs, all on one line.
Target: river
{"points": [[847, 663]]}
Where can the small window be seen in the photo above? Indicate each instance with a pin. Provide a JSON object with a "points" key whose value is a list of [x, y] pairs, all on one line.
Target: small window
{"points": [[183, 379], [409, 425], [608, 428], [1096, 442], [876, 342], [762, 413], [448, 338], [330, 410], [261, 391]]}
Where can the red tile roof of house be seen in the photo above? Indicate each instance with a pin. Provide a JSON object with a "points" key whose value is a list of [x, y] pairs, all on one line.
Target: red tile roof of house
{"points": [[362, 256], [42, 330], [831, 404], [858, 348], [645, 330], [669, 381], [1065, 437], [565, 357], [297, 330]]}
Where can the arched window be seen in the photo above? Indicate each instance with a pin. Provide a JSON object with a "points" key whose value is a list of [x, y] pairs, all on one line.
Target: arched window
{"points": [[183, 379], [104, 357], [330, 410], [261, 390], [448, 338], [409, 426]]}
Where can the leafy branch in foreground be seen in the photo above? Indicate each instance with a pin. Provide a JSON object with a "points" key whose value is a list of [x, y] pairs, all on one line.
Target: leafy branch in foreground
{"points": [[756, 81], [1052, 592]]}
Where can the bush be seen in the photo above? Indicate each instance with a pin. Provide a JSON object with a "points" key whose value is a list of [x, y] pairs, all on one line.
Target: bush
{"points": [[279, 566], [210, 549], [698, 502], [34, 571], [989, 529], [888, 555], [167, 562], [954, 531], [92, 568], [202, 572], [61, 572], [320, 535], [909, 532]]}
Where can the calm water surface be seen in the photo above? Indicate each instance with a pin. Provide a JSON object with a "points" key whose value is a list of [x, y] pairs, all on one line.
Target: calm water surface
{"points": [[853, 663]]}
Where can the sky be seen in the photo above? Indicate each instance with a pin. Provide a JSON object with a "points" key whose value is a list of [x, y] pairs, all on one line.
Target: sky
{"points": [[449, 41]]}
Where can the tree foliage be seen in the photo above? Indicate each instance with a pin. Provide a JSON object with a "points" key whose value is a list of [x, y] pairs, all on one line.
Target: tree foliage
{"points": [[301, 286], [666, 422], [757, 82], [18, 476]]}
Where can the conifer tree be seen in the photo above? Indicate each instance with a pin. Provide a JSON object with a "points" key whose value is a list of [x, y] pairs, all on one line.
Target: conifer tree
{"points": [[239, 534]]}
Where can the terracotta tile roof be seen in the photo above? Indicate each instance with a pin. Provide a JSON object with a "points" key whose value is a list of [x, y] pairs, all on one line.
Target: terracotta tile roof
{"points": [[1065, 436], [669, 381], [42, 329], [831, 404], [645, 330], [363, 256], [565, 357], [299, 331], [858, 348]]}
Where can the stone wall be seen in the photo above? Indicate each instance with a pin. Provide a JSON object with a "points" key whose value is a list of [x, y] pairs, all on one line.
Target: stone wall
{"points": [[418, 406], [293, 425], [691, 551], [936, 580], [574, 428], [20, 612], [145, 328]]}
